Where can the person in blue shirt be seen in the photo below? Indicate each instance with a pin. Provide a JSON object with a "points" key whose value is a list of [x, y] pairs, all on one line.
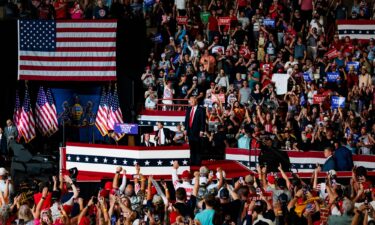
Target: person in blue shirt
{"points": [[206, 217]]}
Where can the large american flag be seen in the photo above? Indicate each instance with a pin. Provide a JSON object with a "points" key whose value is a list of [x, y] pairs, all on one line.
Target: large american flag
{"points": [[102, 115], [114, 114], [53, 113], [356, 29], [27, 122], [17, 115], [43, 113], [67, 50]]}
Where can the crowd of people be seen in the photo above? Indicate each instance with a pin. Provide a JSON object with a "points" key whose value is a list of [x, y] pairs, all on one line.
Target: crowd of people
{"points": [[202, 197], [262, 81], [237, 72]]}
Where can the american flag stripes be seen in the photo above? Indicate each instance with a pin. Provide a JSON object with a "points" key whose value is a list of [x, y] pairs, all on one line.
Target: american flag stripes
{"points": [[26, 121], [53, 112], [356, 29], [102, 115], [44, 114], [303, 161], [96, 160], [115, 114], [67, 50], [17, 115]]}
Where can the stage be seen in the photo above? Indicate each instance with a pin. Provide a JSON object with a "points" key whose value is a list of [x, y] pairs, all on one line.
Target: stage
{"points": [[97, 162]]}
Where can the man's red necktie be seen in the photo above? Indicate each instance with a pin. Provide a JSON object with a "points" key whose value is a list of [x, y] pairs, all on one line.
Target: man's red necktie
{"points": [[191, 117]]}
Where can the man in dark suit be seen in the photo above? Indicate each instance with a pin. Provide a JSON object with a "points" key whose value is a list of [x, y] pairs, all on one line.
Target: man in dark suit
{"points": [[10, 132], [194, 129], [146, 141], [272, 157], [343, 158], [3, 147], [163, 136], [330, 163]]}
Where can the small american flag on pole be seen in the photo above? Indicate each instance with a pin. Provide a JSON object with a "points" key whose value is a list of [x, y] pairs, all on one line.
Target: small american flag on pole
{"points": [[53, 113], [27, 122], [102, 115], [115, 114], [17, 115], [67, 50], [43, 113]]}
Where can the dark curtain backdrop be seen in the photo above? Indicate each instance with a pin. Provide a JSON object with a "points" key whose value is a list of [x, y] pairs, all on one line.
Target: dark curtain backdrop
{"points": [[131, 59]]}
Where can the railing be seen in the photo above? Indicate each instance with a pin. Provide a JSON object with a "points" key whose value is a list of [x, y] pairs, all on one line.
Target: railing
{"points": [[176, 104]]}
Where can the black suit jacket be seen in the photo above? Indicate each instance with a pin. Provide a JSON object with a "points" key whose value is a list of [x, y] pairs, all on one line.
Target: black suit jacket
{"points": [[168, 134], [3, 145], [199, 123], [150, 144]]}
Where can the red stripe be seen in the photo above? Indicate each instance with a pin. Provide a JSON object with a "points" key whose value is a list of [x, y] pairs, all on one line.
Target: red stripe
{"points": [[69, 68], [135, 148], [86, 29], [355, 22], [162, 113], [64, 59], [87, 21], [67, 78], [86, 39], [85, 49]]}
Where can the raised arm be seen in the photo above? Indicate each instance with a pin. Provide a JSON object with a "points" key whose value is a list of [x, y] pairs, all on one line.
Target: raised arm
{"points": [[123, 182], [116, 177], [196, 184], [38, 208], [85, 209], [175, 181], [284, 176]]}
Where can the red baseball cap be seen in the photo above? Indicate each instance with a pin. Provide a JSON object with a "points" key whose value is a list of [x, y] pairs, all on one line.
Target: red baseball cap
{"points": [[271, 179], [185, 174], [108, 185]]}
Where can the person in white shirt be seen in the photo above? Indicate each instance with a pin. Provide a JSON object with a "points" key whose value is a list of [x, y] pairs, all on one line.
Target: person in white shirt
{"points": [[181, 7], [185, 176], [6, 185]]}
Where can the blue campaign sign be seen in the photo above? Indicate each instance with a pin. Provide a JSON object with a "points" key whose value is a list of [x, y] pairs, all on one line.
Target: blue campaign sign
{"points": [[158, 38], [126, 128], [307, 77], [332, 76], [149, 2], [337, 102], [352, 64], [269, 22]]}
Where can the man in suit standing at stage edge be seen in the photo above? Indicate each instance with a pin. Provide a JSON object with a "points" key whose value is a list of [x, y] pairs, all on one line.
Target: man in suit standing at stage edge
{"points": [[194, 129], [10, 132]]}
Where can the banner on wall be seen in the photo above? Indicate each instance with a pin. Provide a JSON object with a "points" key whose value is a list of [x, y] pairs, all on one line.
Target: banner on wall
{"points": [[76, 110]]}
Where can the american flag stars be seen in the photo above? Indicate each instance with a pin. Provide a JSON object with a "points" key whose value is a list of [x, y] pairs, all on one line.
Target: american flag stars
{"points": [[148, 162]]}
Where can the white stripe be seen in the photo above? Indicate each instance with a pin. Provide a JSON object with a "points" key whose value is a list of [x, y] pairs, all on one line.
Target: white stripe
{"points": [[123, 153], [109, 168], [357, 36], [85, 34], [86, 44], [367, 165], [162, 118], [244, 158], [67, 73], [67, 63], [356, 27], [69, 54], [86, 25]]}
